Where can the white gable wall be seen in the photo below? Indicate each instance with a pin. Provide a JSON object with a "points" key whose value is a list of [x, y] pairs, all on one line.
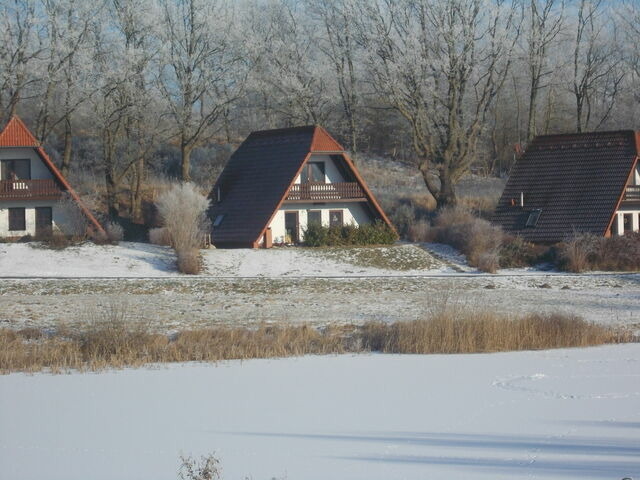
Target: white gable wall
{"points": [[331, 172], [353, 213], [60, 217], [39, 170]]}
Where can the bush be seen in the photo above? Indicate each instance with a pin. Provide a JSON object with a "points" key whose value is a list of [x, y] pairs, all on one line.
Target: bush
{"points": [[115, 232], [189, 261], [207, 468], [471, 235], [515, 252], [75, 223], [160, 236], [489, 262], [56, 241], [420, 231], [377, 233], [585, 251], [183, 212]]}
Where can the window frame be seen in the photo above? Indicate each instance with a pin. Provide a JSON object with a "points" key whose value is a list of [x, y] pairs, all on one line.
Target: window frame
{"points": [[307, 172], [12, 219], [332, 223], [7, 166]]}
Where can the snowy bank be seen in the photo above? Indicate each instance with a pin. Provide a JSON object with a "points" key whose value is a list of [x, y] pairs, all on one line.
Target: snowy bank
{"points": [[550, 415]]}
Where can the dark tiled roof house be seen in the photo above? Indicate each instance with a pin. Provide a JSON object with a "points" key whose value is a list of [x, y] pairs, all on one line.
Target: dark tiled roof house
{"points": [[279, 181], [565, 184]]}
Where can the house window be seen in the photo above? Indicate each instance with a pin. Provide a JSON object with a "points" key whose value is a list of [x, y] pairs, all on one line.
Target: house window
{"points": [[534, 215], [15, 169], [335, 218], [218, 220], [313, 172], [314, 217], [17, 220]]}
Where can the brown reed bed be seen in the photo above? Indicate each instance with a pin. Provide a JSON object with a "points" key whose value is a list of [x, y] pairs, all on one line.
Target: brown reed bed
{"points": [[119, 342]]}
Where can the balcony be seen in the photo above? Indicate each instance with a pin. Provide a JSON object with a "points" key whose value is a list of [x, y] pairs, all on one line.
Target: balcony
{"points": [[632, 194], [29, 189], [323, 192]]}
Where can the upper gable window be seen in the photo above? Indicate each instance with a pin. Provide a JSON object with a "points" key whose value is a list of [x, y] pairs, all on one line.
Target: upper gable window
{"points": [[313, 172], [16, 169]]}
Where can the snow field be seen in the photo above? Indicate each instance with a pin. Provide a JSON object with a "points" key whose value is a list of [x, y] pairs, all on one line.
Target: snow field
{"points": [[561, 414]]}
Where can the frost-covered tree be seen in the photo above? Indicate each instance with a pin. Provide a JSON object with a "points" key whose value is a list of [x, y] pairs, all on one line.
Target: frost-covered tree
{"points": [[202, 69], [440, 64]]}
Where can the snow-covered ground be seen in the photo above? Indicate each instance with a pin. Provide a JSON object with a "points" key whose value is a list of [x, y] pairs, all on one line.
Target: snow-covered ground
{"points": [[560, 414], [316, 286], [135, 260]]}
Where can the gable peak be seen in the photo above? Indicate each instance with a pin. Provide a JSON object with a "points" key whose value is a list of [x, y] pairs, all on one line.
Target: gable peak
{"points": [[16, 134]]}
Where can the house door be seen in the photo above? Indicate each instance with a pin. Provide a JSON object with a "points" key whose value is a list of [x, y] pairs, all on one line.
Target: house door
{"points": [[335, 218], [44, 221], [291, 227]]}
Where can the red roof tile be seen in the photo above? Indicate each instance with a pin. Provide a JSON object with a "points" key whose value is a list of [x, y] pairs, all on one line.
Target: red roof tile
{"points": [[16, 134]]}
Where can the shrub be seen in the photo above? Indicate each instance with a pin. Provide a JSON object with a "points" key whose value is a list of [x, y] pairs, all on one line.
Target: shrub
{"points": [[516, 252], [207, 468], [471, 235], [189, 261], [377, 233], [160, 236], [183, 212], [115, 232], [585, 251], [55, 241], [488, 262], [74, 223], [420, 232]]}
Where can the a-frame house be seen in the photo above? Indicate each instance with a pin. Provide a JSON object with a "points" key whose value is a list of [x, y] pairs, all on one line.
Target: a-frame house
{"points": [[280, 181], [31, 187], [573, 183]]}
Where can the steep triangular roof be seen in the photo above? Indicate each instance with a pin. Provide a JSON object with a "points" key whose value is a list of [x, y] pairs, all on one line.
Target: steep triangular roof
{"points": [[577, 181], [257, 177], [16, 134]]}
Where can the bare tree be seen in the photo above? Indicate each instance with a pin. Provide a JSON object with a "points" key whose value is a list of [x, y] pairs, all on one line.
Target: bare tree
{"points": [[441, 64], [340, 47], [201, 72], [595, 64], [19, 48], [546, 19], [290, 65]]}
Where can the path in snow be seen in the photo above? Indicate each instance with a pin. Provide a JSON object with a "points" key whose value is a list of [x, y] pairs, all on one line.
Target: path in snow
{"points": [[562, 414]]}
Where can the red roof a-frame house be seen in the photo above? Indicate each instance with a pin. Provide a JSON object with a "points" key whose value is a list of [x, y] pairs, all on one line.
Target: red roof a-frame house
{"points": [[31, 186], [279, 181]]}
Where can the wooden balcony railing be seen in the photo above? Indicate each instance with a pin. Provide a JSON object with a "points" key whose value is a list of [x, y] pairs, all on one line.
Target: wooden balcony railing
{"points": [[632, 194], [20, 189], [325, 191]]}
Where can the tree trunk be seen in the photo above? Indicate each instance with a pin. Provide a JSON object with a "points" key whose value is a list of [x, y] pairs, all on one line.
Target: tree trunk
{"points": [[112, 196], [447, 194], [185, 150], [136, 204], [68, 145]]}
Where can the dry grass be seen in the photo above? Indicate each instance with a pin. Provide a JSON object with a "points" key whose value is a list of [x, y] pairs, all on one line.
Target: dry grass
{"points": [[478, 239], [589, 252], [189, 261], [115, 341]]}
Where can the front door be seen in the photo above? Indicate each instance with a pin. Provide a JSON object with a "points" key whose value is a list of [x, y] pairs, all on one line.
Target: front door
{"points": [[335, 218], [291, 227], [44, 221]]}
